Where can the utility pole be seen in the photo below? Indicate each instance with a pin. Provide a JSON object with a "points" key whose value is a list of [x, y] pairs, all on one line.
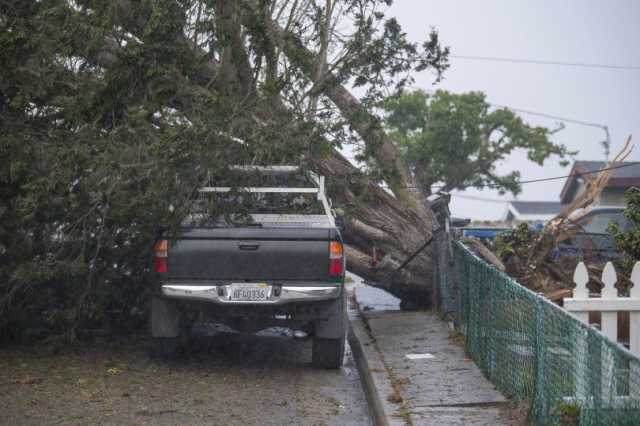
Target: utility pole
{"points": [[606, 143]]}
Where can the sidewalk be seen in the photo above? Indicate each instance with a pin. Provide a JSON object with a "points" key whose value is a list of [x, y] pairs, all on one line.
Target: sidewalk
{"points": [[440, 386]]}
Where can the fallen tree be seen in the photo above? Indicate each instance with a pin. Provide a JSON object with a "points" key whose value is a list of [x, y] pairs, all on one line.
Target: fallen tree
{"points": [[104, 104], [527, 254]]}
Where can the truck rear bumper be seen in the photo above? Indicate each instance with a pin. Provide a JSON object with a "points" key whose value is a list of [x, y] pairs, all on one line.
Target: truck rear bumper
{"points": [[219, 294]]}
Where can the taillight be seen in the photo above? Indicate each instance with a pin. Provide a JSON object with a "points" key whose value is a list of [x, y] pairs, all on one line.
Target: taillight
{"points": [[336, 261], [161, 255]]}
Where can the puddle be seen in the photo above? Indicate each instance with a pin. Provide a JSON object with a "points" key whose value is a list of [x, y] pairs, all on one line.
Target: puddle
{"points": [[419, 356], [371, 298], [210, 329]]}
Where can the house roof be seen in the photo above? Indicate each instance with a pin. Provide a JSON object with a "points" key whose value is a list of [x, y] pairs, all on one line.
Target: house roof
{"points": [[533, 210], [623, 177]]}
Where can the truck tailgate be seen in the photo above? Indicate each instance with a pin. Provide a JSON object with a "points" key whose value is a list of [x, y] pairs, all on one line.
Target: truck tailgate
{"points": [[250, 254]]}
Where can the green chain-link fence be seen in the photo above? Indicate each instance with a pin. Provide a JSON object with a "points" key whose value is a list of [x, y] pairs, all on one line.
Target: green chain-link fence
{"points": [[533, 350]]}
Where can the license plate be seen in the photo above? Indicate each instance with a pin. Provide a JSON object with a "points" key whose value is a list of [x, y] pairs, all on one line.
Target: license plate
{"points": [[249, 292]]}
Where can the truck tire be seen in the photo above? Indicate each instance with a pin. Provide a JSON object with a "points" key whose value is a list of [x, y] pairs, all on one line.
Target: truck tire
{"points": [[330, 336], [328, 353], [168, 334]]}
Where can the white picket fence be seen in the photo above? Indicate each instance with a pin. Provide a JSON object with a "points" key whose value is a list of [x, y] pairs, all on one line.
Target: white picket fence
{"points": [[609, 303]]}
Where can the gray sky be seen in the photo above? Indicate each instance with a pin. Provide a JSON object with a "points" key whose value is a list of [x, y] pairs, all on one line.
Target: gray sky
{"points": [[585, 31]]}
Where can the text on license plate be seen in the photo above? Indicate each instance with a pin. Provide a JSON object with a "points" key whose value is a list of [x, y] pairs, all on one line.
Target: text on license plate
{"points": [[249, 292]]}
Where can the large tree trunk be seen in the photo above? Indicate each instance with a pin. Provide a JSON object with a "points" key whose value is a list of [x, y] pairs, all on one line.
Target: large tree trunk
{"points": [[380, 232]]}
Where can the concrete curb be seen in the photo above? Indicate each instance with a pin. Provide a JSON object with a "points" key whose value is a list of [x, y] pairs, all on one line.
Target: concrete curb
{"points": [[373, 374]]}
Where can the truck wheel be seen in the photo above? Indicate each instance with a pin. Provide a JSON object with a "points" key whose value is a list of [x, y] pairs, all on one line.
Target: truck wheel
{"points": [[330, 335], [328, 353], [168, 333]]}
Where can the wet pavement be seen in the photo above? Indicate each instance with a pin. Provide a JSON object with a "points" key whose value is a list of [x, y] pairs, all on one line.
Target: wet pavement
{"points": [[374, 299], [226, 379], [420, 370]]}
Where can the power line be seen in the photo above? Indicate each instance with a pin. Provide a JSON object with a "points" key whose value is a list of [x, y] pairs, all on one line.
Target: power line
{"points": [[606, 142], [521, 182], [555, 117], [539, 114], [474, 198], [621, 166], [541, 62]]}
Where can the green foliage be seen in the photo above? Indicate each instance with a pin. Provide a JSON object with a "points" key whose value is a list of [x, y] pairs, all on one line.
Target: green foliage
{"points": [[85, 174], [515, 243], [382, 58], [629, 241], [568, 414], [457, 140], [92, 157]]}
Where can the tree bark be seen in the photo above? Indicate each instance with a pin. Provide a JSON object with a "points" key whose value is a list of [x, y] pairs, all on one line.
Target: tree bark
{"points": [[235, 75], [375, 221]]}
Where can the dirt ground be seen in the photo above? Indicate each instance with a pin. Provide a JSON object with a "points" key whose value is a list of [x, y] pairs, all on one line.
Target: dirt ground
{"points": [[226, 380]]}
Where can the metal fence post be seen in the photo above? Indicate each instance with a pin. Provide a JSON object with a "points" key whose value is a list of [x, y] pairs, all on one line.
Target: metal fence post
{"points": [[540, 354], [595, 361], [581, 357], [491, 350], [436, 270]]}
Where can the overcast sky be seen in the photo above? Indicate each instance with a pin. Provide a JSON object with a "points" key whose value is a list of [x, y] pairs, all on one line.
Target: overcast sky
{"points": [[577, 31]]}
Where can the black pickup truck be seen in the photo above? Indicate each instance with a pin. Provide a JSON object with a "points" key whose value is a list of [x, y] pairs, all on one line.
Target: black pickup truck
{"points": [[281, 265]]}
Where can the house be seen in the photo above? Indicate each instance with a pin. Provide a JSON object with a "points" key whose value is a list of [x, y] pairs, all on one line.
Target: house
{"points": [[530, 211], [613, 194]]}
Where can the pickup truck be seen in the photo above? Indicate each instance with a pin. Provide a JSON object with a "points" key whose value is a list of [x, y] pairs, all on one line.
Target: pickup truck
{"points": [[268, 255]]}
